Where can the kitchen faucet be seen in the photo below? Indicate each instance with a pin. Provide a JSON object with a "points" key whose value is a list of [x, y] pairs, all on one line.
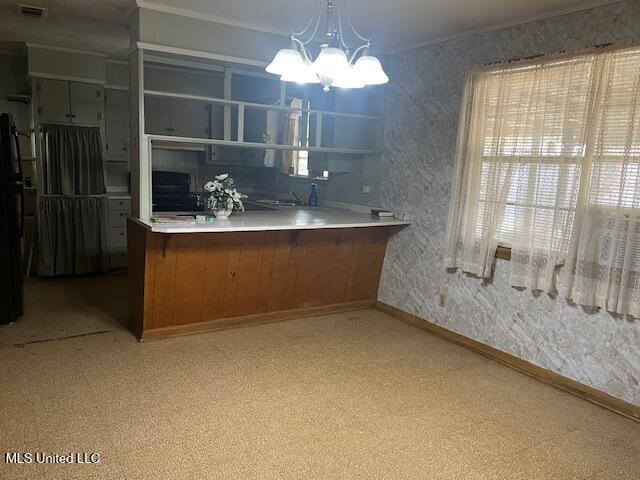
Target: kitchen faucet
{"points": [[298, 199]]}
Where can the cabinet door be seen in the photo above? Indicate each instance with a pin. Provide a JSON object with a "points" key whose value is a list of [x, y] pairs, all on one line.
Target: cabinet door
{"points": [[189, 119], [53, 100], [86, 103], [157, 116], [117, 123]]}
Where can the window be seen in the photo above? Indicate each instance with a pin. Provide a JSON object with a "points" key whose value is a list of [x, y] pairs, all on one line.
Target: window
{"points": [[302, 156], [548, 164], [532, 140]]}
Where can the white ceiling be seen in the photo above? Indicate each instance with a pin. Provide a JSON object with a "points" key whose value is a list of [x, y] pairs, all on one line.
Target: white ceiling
{"points": [[395, 24]]}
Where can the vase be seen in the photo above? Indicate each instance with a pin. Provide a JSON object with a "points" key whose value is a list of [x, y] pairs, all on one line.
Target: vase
{"points": [[222, 213]]}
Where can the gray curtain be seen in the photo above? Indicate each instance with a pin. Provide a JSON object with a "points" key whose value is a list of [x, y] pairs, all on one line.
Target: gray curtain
{"points": [[73, 212], [73, 160], [73, 235]]}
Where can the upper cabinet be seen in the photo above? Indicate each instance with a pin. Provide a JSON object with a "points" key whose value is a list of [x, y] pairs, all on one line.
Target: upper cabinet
{"points": [[60, 101], [53, 101], [176, 118], [116, 131], [86, 103], [180, 117]]}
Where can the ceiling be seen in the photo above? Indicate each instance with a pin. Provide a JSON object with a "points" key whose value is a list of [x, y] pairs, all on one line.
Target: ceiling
{"points": [[395, 25]]}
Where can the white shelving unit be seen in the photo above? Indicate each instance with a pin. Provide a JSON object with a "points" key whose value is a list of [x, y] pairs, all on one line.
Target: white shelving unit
{"points": [[236, 124]]}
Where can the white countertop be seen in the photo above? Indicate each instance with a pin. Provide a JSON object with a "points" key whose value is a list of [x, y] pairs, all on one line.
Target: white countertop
{"points": [[284, 218]]}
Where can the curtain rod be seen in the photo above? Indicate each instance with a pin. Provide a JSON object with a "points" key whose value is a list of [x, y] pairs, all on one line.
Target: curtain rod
{"points": [[55, 195], [539, 55], [62, 124]]}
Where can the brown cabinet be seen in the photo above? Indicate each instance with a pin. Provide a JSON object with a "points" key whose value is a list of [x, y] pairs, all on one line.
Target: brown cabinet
{"points": [[186, 282]]}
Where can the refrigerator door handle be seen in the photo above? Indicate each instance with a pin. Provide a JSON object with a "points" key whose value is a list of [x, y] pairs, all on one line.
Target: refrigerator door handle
{"points": [[19, 185], [20, 191]]}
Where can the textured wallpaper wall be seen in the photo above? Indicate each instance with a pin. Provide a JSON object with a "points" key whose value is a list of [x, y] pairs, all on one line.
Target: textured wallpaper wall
{"points": [[422, 108]]}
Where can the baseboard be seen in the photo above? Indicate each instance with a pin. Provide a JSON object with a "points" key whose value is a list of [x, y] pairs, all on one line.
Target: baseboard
{"points": [[234, 322], [585, 392]]}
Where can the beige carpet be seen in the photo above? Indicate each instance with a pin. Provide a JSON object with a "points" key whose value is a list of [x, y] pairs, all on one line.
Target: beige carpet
{"points": [[356, 395]]}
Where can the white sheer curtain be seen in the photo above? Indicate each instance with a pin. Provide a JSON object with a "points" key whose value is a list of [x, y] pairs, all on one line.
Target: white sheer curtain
{"points": [[604, 266], [547, 164]]}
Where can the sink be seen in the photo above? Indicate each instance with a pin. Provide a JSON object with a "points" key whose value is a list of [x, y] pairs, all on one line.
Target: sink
{"points": [[251, 206]]}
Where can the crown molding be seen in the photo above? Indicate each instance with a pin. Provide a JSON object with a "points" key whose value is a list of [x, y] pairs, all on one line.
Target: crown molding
{"points": [[195, 53], [183, 12], [499, 26], [117, 61], [11, 53], [65, 49]]}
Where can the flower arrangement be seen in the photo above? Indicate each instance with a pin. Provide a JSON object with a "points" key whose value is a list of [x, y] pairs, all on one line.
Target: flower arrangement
{"points": [[223, 198]]}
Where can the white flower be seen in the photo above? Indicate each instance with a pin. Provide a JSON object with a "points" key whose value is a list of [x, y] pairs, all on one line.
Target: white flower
{"points": [[223, 194]]}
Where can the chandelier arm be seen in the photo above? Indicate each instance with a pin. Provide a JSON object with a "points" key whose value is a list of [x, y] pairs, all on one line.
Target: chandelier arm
{"points": [[340, 5], [317, 11], [303, 48], [357, 50], [353, 29], [315, 30]]}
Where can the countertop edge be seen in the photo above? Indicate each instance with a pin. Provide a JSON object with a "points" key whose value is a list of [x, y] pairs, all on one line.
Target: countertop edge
{"points": [[207, 228]]}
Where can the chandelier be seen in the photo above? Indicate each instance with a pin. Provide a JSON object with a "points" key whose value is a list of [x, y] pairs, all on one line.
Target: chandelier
{"points": [[337, 65]]}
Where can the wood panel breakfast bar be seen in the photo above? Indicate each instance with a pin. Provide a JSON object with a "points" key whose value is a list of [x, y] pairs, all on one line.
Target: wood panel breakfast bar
{"points": [[255, 267]]}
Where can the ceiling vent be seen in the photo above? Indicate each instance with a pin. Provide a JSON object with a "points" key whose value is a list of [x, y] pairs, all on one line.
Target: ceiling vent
{"points": [[32, 11]]}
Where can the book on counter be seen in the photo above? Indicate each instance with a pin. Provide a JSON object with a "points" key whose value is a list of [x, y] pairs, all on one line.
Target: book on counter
{"points": [[181, 219], [381, 213]]}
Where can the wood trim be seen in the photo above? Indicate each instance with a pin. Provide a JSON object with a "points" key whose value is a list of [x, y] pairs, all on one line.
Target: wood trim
{"points": [[229, 278], [585, 392], [247, 320], [503, 253]]}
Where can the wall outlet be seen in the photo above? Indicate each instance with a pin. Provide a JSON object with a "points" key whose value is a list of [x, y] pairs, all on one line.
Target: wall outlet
{"points": [[365, 189], [443, 299]]}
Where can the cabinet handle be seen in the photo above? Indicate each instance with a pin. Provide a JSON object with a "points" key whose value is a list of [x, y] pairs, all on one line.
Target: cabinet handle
{"points": [[68, 115], [73, 115]]}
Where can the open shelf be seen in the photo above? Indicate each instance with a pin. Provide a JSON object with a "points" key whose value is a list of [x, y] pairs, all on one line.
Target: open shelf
{"points": [[173, 142], [262, 106]]}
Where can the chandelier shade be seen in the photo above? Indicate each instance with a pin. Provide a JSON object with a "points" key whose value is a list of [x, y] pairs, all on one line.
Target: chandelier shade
{"points": [[349, 80], [301, 74], [335, 65], [286, 60], [331, 63], [369, 69]]}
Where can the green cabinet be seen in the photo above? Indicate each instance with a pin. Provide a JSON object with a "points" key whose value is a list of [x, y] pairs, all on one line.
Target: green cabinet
{"points": [[60, 101], [86, 103], [116, 130], [180, 118], [53, 101]]}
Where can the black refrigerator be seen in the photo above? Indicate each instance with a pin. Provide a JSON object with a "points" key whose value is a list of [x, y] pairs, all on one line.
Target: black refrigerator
{"points": [[11, 222]]}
